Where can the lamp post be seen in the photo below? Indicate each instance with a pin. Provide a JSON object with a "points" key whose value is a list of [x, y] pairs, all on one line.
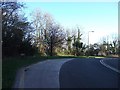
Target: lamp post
{"points": [[88, 41]]}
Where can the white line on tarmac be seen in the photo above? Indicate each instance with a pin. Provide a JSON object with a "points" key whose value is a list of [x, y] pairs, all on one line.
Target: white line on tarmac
{"points": [[108, 66], [21, 84]]}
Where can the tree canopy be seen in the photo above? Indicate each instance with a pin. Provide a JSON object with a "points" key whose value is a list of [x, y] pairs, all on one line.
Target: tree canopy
{"points": [[43, 35], [16, 30]]}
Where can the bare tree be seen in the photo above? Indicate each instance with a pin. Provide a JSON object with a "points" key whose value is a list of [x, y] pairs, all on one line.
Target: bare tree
{"points": [[55, 39], [49, 35], [38, 26]]}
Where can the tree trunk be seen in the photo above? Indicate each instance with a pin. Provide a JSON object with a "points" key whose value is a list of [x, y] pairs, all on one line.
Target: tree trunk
{"points": [[51, 47]]}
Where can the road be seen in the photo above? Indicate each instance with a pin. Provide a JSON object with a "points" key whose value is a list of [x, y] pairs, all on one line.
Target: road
{"points": [[67, 73], [87, 73], [113, 62], [44, 74]]}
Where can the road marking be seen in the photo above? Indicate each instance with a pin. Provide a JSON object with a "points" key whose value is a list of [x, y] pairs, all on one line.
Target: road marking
{"points": [[21, 84], [108, 66]]}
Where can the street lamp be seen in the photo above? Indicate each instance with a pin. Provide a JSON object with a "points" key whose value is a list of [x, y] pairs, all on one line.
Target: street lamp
{"points": [[88, 37], [88, 41]]}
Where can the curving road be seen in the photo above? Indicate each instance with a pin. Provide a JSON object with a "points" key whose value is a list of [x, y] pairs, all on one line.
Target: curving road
{"points": [[87, 73], [68, 73], [43, 74]]}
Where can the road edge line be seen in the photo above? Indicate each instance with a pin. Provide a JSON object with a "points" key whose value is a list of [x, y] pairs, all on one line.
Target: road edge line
{"points": [[108, 66], [21, 83]]}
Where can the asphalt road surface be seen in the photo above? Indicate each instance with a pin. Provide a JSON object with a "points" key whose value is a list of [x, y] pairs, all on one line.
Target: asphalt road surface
{"points": [[87, 73], [68, 73], [113, 62], [40, 75]]}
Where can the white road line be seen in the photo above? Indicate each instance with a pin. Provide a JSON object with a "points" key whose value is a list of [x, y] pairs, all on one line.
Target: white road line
{"points": [[21, 84], [108, 66]]}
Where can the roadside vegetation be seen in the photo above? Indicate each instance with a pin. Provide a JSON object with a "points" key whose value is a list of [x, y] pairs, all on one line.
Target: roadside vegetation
{"points": [[25, 43]]}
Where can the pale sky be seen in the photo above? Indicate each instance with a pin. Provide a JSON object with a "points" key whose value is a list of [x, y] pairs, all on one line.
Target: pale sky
{"points": [[100, 17]]}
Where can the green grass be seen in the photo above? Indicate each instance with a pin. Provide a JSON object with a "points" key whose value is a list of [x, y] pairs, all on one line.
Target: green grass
{"points": [[10, 66]]}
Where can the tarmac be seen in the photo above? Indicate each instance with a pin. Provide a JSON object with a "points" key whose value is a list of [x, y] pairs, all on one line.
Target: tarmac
{"points": [[44, 74]]}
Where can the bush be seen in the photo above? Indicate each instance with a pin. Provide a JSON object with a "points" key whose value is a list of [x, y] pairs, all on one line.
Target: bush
{"points": [[27, 49]]}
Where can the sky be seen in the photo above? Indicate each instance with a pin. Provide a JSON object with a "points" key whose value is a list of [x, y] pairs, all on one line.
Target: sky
{"points": [[100, 17]]}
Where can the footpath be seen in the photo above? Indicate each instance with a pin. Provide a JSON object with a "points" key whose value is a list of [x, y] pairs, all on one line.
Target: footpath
{"points": [[44, 74]]}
